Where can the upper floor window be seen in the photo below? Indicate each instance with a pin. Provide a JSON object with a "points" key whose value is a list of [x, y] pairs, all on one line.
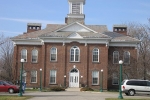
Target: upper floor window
{"points": [[95, 77], [126, 57], [95, 54], [52, 76], [34, 56], [24, 54], [74, 54], [53, 54], [33, 76], [115, 57]]}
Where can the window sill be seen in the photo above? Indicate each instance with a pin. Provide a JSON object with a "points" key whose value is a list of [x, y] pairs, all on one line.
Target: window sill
{"points": [[74, 61], [96, 62]]}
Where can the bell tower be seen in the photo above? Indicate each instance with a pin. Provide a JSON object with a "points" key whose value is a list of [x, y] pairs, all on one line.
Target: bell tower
{"points": [[75, 11]]}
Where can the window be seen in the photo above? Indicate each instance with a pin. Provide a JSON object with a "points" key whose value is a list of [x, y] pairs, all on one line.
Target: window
{"points": [[76, 8], [115, 57], [53, 54], [126, 57], [33, 76], [95, 55], [74, 54], [115, 80], [24, 54], [24, 76], [34, 56], [95, 77], [52, 76]]}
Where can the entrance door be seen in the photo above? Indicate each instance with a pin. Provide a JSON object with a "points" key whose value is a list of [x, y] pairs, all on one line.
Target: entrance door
{"points": [[74, 78]]}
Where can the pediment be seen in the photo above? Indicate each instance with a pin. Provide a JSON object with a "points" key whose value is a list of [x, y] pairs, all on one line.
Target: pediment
{"points": [[74, 35], [75, 27]]}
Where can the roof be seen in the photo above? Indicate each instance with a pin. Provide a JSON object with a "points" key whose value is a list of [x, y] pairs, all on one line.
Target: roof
{"points": [[50, 28]]}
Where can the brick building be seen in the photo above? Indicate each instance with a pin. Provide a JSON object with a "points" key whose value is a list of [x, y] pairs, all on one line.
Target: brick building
{"points": [[74, 54]]}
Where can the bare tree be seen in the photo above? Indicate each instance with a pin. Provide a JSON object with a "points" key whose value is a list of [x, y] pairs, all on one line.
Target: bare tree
{"points": [[6, 58], [142, 32]]}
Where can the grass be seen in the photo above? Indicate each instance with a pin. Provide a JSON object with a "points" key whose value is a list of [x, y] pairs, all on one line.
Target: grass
{"points": [[14, 97], [124, 99]]}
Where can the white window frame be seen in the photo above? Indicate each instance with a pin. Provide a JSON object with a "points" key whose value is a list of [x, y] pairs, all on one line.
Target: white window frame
{"points": [[34, 76], [34, 55], [115, 79], [74, 54], [24, 54], [95, 74], [114, 57], [125, 56], [52, 52], [53, 73], [95, 53]]}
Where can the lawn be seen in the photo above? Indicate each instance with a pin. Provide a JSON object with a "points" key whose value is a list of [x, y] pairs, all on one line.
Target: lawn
{"points": [[14, 97]]}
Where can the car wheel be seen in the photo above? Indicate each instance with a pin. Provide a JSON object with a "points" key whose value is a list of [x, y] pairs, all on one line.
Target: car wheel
{"points": [[11, 90], [127, 93], [131, 92]]}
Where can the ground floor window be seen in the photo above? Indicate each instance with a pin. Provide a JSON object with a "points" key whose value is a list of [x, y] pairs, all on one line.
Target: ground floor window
{"points": [[95, 77], [115, 79], [52, 76], [33, 76]]}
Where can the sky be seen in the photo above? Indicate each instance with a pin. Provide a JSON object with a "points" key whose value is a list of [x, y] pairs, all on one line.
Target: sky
{"points": [[15, 14]]}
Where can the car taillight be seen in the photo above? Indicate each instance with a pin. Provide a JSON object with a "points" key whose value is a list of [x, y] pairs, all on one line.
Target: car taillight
{"points": [[123, 87]]}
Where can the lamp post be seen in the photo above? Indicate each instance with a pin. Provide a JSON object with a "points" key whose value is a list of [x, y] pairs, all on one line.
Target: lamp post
{"points": [[120, 79], [65, 81], [40, 79], [20, 89], [101, 88], [81, 81]]}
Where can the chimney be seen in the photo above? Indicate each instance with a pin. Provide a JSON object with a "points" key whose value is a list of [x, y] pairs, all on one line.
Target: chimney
{"points": [[122, 29], [31, 27]]}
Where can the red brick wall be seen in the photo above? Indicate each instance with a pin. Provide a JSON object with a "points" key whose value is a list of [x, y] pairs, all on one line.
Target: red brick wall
{"points": [[63, 64]]}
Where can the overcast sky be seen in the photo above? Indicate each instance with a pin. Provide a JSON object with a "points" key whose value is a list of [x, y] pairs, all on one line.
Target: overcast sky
{"points": [[15, 14]]}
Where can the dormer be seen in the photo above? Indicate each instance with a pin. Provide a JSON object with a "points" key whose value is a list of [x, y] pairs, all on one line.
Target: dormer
{"points": [[75, 11], [31, 27]]}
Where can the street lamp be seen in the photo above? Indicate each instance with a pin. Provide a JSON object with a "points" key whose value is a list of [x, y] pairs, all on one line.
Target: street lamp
{"points": [[81, 81], [40, 79], [120, 79], [20, 89], [101, 88], [65, 81]]}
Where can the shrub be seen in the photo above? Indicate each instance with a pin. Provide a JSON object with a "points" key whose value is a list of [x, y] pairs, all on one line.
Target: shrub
{"points": [[86, 89], [57, 88]]}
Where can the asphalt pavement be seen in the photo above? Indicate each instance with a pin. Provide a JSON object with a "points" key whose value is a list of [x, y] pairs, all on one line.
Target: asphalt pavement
{"points": [[74, 94]]}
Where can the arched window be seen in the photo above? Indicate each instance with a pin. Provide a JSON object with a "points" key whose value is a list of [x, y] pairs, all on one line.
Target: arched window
{"points": [[95, 77], [126, 57], [95, 54], [53, 54], [115, 57], [24, 54], [34, 56], [74, 54]]}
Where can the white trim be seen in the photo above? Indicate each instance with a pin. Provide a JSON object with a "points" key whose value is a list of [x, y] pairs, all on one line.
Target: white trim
{"points": [[97, 55]]}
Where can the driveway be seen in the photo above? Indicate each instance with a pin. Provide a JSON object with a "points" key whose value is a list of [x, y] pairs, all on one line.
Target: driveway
{"points": [[75, 95]]}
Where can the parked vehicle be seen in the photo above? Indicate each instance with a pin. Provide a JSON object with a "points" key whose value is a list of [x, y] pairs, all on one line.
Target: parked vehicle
{"points": [[133, 86], [7, 87]]}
